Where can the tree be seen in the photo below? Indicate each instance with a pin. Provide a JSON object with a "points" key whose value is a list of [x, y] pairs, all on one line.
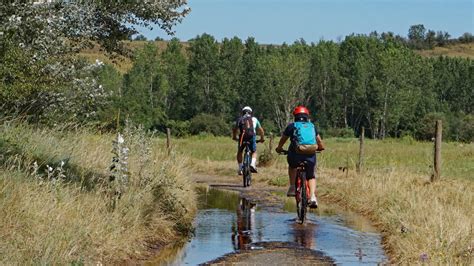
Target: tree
{"points": [[143, 96], [467, 37], [442, 38], [416, 35], [250, 92], [204, 89], [174, 80], [40, 39], [140, 37], [430, 39], [42, 26], [284, 78], [325, 84], [230, 73]]}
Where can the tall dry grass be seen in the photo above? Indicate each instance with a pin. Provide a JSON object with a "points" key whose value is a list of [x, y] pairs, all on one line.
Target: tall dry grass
{"points": [[70, 221], [420, 221]]}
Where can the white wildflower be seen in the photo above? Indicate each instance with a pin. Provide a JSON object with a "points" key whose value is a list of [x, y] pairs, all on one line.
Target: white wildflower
{"points": [[120, 138]]}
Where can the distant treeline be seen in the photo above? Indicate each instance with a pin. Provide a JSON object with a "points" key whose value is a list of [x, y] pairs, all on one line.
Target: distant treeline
{"points": [[374, 81], [418, 38], [371, 81]]}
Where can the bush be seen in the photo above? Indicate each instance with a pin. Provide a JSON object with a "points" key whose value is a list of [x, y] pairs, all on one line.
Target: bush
{"points": [[270, 127], [208, 123], [178, 128], [426, 131], [339, 132], [466, 129]]}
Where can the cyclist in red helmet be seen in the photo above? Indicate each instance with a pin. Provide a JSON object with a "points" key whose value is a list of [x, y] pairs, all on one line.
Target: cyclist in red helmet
{"points": [[305, 141]]}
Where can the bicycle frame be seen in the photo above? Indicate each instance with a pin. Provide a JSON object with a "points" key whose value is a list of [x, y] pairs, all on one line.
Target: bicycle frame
{"points": [[302, 191], [246, 173]]}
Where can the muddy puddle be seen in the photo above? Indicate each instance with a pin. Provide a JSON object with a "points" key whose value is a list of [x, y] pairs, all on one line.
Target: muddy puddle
{"points": [[229, 223]]}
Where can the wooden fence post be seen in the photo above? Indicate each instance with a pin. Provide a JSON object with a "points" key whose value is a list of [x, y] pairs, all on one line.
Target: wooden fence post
{"points": [[361, 150], [168, 140], [437, 152], [270, 144]]}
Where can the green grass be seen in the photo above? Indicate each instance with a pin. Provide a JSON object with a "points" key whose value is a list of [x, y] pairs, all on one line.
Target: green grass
{"points": [[387, 155]]}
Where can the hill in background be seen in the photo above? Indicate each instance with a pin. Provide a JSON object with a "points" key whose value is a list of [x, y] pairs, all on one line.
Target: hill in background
{"points": [[123, 64]]}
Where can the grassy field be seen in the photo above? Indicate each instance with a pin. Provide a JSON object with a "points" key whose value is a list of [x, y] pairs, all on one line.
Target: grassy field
{"points": [[457, 50], [417, 218], [72, 213], [387, 155], [123, 64]]}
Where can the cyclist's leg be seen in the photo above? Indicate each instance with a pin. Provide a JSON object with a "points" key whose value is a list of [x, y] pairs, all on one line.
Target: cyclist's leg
{"points": [[253, 150], [239, 157], [292, 166], [310, 173]]}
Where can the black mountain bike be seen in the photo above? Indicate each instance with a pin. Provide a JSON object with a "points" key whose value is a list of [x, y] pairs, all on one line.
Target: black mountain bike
{"points": [[246, 173]]}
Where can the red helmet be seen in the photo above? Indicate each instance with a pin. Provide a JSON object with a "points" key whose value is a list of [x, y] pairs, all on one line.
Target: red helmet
{"points": [[300, 110]]}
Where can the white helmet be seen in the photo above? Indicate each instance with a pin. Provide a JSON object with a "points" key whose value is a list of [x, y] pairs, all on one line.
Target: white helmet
{"points": [[247, 109]]}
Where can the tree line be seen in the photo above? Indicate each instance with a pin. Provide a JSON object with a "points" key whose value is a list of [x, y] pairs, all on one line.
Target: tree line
{"points": [[376, 80], [367, 81]]}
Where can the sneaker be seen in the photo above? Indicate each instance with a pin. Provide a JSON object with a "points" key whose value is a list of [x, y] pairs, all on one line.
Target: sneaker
{"points": [[291, 191], [313, 203], [253, 169]]}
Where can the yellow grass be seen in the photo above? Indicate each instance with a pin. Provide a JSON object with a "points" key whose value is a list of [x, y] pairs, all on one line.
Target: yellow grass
{"points": [[457, 50], [42, 222]]}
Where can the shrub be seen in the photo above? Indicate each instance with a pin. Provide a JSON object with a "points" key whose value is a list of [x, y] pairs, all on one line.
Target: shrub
{"points": [[178, 128], [466, 129], [209, 124], [339, 132], [426, 130]]}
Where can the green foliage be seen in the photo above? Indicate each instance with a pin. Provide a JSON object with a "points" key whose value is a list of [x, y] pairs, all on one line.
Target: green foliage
{"points": [[338, 133], [207, 123], [466, 128], [178, 128], [427, 127]]}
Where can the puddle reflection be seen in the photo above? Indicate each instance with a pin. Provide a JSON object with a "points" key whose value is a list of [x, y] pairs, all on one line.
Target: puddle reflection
{"points": [[229, 223]]}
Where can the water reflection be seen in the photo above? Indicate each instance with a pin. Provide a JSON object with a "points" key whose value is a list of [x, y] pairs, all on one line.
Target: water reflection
{"points": [[227, 222], [242, 229], [304, 234]]}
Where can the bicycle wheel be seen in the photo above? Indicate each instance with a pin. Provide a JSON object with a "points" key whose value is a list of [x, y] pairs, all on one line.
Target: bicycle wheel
{"points": [[246, 171], [249, 175], [302, 203]]}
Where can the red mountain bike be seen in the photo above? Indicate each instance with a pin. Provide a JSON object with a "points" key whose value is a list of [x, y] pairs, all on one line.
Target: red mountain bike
{"points": [[302, 194]]}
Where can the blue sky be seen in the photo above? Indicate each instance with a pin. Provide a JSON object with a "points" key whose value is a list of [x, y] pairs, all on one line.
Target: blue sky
{"points": [[278, 21]]}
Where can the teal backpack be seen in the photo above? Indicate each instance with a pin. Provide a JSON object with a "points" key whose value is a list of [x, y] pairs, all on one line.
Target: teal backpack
{"points": [[305, 137]]}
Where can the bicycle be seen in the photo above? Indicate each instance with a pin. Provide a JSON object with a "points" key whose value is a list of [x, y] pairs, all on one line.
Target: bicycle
{"points": [[247, 160], [246, 172], [302, 190]]}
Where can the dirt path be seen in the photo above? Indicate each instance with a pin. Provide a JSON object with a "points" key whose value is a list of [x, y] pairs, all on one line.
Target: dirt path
{"points": [[275, 253]]}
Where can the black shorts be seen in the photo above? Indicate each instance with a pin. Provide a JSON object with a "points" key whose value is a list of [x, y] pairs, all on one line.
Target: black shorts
{"points": [[294, 159]]}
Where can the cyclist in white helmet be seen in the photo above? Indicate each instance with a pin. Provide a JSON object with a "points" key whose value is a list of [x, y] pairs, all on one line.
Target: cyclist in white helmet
{"points": [[246, 129]]}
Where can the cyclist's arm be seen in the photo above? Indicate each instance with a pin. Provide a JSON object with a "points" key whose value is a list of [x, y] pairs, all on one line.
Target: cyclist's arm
{"points": [[282, 142], [261, 133], [235, 133]]}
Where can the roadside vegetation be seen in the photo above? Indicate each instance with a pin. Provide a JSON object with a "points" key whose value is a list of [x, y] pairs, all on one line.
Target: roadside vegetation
{"points": [[419, 221], [59, 205]]}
